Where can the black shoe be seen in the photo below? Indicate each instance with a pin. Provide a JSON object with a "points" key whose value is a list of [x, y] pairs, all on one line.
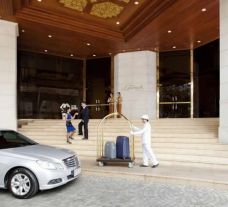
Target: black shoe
{"points": [[71, 138], [154, 166], [84, 138], [80, 134], [143, 166]]}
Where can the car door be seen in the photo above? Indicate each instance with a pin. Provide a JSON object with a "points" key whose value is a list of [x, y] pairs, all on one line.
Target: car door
{"points": [[3, 160]]}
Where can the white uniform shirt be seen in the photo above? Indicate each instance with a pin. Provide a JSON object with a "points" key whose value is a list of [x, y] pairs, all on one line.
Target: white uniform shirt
{"points": [[145, 132]]}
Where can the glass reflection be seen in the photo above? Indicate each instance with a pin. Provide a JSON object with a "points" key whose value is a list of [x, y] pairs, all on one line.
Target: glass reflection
{"points": [[45, 82], [174, 84]]}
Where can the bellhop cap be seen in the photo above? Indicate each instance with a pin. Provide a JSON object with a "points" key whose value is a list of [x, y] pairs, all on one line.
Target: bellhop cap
{"points": [[145, 116]]}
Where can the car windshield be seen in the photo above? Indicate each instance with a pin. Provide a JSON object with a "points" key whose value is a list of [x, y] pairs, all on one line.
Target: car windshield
{"points": [[12, 139]]}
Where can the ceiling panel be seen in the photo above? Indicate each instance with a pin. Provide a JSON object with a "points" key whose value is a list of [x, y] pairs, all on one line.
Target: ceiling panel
{"points": [[143, 26]]}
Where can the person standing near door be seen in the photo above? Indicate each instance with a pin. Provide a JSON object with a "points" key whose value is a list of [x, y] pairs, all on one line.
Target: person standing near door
{"points": [[84, 115], [119, 101], [111, 103], [145, 133]]}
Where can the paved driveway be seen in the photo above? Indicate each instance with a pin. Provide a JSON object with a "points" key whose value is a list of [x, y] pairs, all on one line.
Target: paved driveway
{"points": [[99, 191]]}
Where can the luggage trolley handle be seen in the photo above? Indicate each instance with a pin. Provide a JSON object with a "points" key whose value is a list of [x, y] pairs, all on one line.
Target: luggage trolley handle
{"points": [[100, 139]]}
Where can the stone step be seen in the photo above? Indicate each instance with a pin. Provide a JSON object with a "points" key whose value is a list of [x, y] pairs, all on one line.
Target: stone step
{"points": [[117, 129], [190, 142], [171, 157], [94, 134], [161, 120], [154, 140], [138, 150], [126, 128], [122, 132], [122, 122], [93, 144], [117, 121], [162, 176]]}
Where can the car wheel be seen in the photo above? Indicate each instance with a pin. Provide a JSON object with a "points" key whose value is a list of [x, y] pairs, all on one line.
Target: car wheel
{"points": [[23, 183]]}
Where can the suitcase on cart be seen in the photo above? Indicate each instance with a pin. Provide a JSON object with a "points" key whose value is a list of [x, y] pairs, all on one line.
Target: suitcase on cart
{"points": [[122, 147], [110, 150]]}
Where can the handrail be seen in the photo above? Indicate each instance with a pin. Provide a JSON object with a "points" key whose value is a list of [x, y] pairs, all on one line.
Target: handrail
{"points": [[98, 104], [175, 102]]}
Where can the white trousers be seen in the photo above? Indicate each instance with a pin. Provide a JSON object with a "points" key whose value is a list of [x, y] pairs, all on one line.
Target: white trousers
{"points": [[148, 154]]}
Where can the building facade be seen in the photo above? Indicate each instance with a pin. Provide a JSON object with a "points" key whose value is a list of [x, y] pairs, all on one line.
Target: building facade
{"points": [[182, 83]]}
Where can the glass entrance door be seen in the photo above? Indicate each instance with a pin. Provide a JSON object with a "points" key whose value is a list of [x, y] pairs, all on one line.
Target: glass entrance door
{"points": [[175, 101], [174, 85]]}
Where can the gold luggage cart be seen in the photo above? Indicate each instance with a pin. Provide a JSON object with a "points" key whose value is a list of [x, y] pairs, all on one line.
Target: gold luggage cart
{"points": [[101, 139]]}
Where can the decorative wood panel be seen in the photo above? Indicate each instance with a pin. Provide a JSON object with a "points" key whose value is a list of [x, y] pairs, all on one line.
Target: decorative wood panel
{"points": [[142, 27]]}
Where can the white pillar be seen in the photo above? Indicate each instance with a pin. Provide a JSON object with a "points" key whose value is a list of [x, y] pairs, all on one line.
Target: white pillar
{"points": [[223, 125], [8, 74], [135, 78]]}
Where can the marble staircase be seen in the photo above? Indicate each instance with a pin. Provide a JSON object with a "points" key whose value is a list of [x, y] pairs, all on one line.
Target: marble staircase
{"points": [[191, 142]]}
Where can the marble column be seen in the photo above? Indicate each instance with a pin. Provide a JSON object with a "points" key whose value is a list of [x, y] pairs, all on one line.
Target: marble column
{"points": [[135, 78], [8, 74], [223, 122]]}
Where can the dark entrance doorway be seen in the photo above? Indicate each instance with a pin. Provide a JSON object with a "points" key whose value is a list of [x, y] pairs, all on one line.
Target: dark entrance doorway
{"points": [[174, 85], [206, 80]]}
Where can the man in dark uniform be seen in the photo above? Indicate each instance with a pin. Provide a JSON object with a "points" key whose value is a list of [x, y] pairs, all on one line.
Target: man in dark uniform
{"points": [[84, 115]]}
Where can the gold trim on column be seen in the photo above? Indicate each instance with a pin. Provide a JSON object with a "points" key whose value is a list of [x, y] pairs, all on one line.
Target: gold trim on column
{"points": [[112, 73], [84, 79], [158, 85], [192, 81]]}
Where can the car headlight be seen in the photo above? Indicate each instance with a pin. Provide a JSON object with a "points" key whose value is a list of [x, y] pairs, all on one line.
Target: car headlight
{"points": [[49, 165]]}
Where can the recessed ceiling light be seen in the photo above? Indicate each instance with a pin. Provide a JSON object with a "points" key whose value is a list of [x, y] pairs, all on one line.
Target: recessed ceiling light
{"points": [[45, 50], [174, 47], [88, 44], [136, 2], [110, 53], [117, 22], [203, 9], [39, 0], [50, 36], [139, 49], [169, 31], [23, 30], [72, 55], [123, 50], [198, 41], [94, 55]]}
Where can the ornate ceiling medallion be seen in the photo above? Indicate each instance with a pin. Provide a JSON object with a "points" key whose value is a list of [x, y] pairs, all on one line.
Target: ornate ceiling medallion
{"points": [[126, 1], [100, 8], [78, 5], [106, 10]]}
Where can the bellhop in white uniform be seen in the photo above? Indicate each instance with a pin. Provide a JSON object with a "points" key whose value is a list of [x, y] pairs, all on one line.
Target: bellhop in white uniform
{"points": [[145, 133]]}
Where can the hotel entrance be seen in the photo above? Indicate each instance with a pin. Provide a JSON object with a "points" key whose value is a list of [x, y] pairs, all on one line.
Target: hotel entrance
{"points": [[174, 85], [188, 83]]}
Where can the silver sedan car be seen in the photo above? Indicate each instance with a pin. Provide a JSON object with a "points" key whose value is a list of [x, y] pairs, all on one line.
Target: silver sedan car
{"points": [[27, 167]]}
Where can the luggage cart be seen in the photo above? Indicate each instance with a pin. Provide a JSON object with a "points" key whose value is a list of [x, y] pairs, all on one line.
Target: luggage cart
{"points": [[101, 159]]}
